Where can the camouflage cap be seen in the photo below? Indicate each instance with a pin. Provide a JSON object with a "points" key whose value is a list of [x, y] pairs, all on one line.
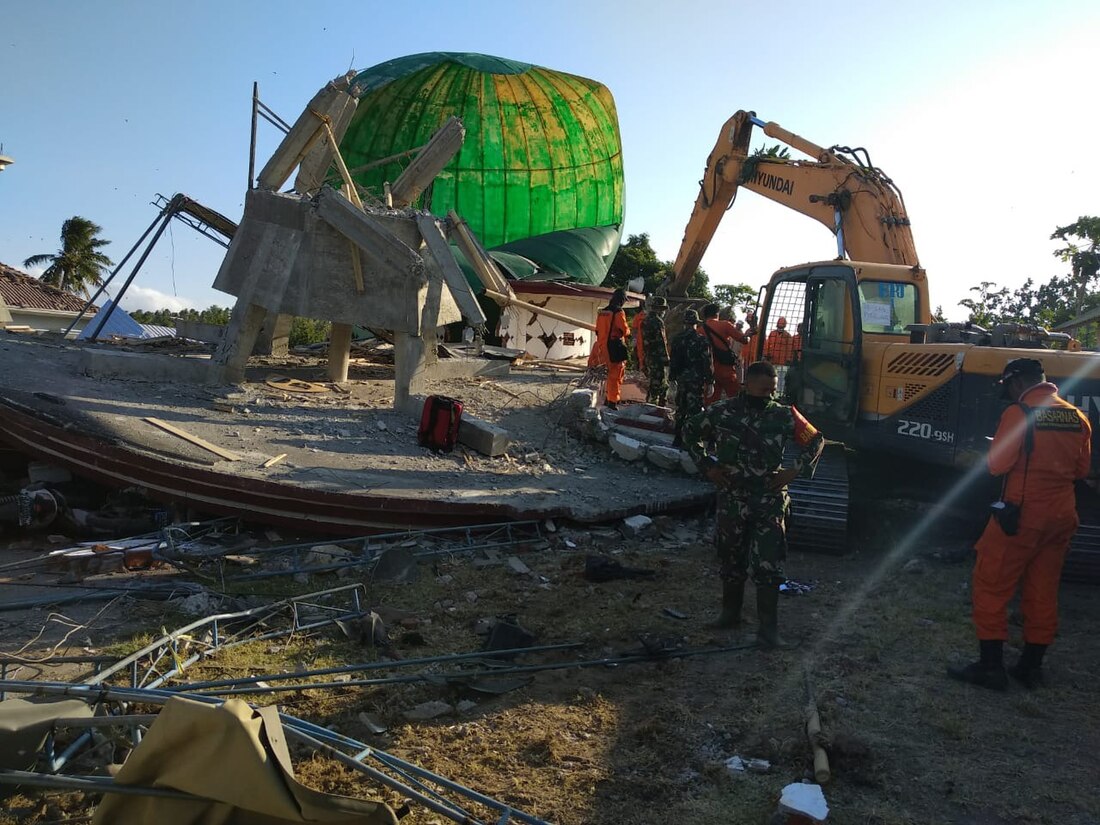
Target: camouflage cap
{"points": [[691, 318], [658, 302]]}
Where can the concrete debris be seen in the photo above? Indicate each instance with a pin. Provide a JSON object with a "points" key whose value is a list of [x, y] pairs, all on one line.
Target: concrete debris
{"points": [[634, 526], [486, 438], [372, 724], [625, 447], [804, 799], [667, 458], [427, 710], [397, 564], [518, 566], [550, 526], [579, 402], [915, 566], [200, 604], [465, 706], [323, 554], [687, 464], [738, 765]]}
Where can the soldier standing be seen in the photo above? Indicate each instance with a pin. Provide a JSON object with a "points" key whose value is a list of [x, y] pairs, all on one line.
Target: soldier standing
{"points": [[656, 351], [749, 434], [692, 371]]}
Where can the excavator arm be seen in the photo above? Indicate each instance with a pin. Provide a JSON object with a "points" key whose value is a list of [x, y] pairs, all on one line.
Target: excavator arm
{"points": [[851, 197]]}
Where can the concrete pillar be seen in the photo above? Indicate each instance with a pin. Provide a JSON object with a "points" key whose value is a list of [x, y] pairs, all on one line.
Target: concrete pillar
{"points": [[231, 357], [339, 350], [410, 370], [274, 338]]}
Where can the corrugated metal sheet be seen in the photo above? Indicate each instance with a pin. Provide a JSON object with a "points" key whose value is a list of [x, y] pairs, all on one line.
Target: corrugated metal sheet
{"points": [[122, 325], [22, 290], [156, 331]]}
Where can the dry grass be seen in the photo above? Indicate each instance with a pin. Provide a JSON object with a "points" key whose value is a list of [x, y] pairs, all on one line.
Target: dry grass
{"points": [[645, 743]]}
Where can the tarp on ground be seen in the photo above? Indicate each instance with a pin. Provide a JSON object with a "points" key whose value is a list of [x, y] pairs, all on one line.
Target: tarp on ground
{"points": [[235, 757]]}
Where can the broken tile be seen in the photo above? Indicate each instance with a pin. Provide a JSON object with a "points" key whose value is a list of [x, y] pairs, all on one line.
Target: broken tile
{"points": [[427, 710], [518, 566]]}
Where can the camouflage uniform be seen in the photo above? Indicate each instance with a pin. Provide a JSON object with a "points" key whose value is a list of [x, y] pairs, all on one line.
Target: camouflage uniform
{"points": [[749, 445], [656, 357], [692, 369]]}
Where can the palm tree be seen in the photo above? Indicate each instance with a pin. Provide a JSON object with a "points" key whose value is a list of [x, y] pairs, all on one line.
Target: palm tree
{"points": [[79, 263]]}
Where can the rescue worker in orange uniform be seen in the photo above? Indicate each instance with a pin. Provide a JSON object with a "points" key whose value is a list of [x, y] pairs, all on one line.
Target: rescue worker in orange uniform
{"points": [[720, 335], [1042, 446], [779, 346], [636, 330], [610, 347]]}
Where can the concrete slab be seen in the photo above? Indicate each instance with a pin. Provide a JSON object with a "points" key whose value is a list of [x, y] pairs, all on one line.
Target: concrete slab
{"points": [[144, 366], [488, 439]]}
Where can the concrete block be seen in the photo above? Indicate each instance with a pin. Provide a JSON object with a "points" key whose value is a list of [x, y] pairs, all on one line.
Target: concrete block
{"points": [[579, 402], [448, 368], [687, 464], [667, 458], [635, 525], [645, 436], [144, 366], [482, 436], [198, 331], [626, 448], [804, 799]]}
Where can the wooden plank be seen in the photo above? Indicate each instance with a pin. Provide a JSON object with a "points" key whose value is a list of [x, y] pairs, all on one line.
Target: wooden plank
{"points": [[271, 462], [505, 301], [485, 267], [463, 294], [194, 439], [428, 163]]}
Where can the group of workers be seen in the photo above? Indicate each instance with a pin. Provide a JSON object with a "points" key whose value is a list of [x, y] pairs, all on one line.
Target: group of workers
{"points": [[1042, 447]]}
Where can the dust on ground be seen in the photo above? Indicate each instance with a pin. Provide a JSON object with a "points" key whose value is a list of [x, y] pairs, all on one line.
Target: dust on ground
{"points": [[646, 743], [354, 441]]}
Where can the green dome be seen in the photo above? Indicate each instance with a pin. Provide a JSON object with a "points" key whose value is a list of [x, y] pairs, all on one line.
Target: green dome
{"points": [[542, 156]]}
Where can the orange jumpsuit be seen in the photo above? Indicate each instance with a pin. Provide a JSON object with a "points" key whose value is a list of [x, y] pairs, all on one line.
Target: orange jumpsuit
{"points": [[1048, 515], [726, 376], [639, 344], [609, 325], [779, 347]]}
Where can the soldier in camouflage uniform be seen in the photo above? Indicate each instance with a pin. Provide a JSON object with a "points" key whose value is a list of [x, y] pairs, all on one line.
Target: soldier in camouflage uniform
{"points": [[656, 351], [693, 371], [749, 434]]}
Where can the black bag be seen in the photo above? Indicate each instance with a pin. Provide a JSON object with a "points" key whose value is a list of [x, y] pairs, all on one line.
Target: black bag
{"points": [[617, 351], [1007, 513], [722, 354]]}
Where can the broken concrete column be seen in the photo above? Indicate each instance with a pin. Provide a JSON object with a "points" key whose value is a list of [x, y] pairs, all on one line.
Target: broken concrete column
{"points": [[231, 357], [274, 337], [482, 436], [410, 371], [339, 352]]}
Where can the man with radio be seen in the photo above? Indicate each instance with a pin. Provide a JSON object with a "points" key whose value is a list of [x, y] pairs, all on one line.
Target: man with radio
{"points": [[1042, 446]]}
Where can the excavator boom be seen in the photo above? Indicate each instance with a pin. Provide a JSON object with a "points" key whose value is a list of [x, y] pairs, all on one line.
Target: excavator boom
{"points": [[850, 196]]}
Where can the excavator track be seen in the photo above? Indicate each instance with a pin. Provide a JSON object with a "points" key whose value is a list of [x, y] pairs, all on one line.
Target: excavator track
{"points": [[819, 506]]}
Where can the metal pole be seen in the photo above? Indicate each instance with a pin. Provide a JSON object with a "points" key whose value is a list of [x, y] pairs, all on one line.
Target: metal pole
{"points": [[107, 283], [252, 144], [166, 217]]}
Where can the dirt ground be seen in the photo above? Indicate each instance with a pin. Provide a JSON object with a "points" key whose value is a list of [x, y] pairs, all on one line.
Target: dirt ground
{"points": [[646, 743]]}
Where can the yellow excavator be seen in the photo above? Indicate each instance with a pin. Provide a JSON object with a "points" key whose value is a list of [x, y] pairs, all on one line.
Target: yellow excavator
{"points": [[867, 364]]}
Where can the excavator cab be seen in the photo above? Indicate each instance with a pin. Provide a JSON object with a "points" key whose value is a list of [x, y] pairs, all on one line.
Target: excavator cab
{"points": [[819, 364]]}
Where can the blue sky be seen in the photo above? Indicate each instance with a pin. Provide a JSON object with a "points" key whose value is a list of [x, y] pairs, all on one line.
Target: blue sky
{"points": [[981, 112]]}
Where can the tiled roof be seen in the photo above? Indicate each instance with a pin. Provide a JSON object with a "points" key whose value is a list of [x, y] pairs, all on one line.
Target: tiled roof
{"points": [[19, 289]]}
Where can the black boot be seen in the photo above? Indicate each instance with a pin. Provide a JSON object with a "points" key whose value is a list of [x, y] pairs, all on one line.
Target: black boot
{"points": [[1029, 670], [733, 597], [988, 671], [767, 610], [611, 405]]}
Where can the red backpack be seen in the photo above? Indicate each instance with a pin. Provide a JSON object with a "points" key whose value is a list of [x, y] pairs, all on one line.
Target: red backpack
{"points": [[439, 423]]}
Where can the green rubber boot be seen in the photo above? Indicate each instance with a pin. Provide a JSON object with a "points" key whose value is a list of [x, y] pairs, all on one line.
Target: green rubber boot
{"points": [[733, 597], [767, 609]]}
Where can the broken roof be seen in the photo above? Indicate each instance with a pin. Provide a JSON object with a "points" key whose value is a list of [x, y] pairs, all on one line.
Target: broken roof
{"points": [[20, 290]]}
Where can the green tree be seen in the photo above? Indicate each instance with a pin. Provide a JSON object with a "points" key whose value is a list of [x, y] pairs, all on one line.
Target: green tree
{"points": [[1082, 253], [637, 259], [79, 263], [739, 296]]}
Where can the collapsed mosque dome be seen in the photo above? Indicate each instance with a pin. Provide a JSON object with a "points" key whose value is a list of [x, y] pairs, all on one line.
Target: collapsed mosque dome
{"points": [[539, 177]]}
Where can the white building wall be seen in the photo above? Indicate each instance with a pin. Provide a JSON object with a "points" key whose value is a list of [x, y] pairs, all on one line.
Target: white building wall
{"points": [[543, 337]]}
